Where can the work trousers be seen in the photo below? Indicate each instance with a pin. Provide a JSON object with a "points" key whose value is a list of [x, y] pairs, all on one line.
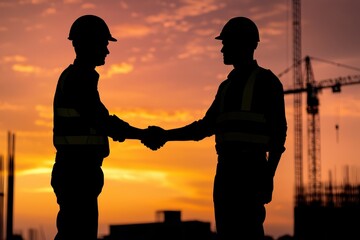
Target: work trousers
{"points": [[239, 208], [77, 186]]}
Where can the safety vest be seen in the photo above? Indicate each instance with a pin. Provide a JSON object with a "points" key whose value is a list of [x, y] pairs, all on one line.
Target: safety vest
{"points": [[71, 131], [246, 126]]}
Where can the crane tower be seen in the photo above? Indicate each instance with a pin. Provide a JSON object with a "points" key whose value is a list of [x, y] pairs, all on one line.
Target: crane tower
{"points": [[298, 83], [312, 89], [321, 211]]}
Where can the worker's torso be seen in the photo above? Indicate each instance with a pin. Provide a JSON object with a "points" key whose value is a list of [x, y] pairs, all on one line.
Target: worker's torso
{"points": [[242, 123], [76, 102]]}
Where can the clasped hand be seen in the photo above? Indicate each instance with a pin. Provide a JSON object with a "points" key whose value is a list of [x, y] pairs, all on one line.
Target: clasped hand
{"points": [[154, 137]]}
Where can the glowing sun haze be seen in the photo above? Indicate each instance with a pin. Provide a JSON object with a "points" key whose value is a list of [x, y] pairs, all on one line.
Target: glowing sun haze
{"points": [[164, 70]]}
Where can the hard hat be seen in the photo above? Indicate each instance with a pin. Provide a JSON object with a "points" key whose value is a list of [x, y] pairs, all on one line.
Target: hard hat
{"points": [[90, 26], [240, 28]]}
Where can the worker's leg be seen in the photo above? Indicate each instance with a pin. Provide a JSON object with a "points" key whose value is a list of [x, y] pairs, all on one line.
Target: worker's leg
{"points": [[235, 221], [77, 189], [238, 212], [77, 219]]}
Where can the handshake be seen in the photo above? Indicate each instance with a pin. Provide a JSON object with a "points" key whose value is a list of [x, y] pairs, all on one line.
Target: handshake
{"points": [[154, 137]]}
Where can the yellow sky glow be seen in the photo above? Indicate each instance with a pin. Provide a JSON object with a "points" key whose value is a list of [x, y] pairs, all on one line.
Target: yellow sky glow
{"points": [[164, 70]]}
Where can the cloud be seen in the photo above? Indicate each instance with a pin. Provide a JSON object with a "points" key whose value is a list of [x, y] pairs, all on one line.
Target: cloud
{"points": [[180, 18], [196, 49], [9, 107], [34, 134], [273, 29], [135, 175], [72, 1], [25, 68], [39, 190], [147, 57], [190, 8], [46, 115], [156, 115], [44, 111], [196, 8], [124, 5], [34, 27], [131, 31], [44, 123], [115, 69], [205, 32], [7, 4], [88, 6], [36, 171], [35, 2], [49, 11], [259, 13], [19, 65], [14, 58]]}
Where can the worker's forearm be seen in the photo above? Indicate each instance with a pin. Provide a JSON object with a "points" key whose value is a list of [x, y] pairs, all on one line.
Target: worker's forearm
{"points": [[192, 132], [135, 133], [178, 134]]}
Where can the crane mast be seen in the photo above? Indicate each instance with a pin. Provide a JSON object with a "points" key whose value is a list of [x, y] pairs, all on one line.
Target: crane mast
{"points": [[312, 89], [306, 216], [313, 128], [323, 206], [298, 83]]}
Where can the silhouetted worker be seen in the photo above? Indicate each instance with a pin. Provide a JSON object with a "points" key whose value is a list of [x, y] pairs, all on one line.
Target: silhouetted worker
{"points": [[248, 119], [82, 125]]}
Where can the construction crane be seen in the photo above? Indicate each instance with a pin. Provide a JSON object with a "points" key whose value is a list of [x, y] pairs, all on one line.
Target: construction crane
{"points": [[298, 83], [305, 216], [312, 89]]}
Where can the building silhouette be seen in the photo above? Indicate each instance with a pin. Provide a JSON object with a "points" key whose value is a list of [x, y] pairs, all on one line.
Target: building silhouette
{"points": [[168, 225], [333, 214]]}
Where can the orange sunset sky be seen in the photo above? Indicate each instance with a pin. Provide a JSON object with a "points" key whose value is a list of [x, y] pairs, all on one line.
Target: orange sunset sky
{"points": [[164, 70]]}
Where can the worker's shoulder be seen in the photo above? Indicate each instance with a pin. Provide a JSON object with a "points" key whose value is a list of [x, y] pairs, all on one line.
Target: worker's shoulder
{"points": [[68, 71], [266, 72], [224, 83], [71, 79], [268, 76], [79, 73]]}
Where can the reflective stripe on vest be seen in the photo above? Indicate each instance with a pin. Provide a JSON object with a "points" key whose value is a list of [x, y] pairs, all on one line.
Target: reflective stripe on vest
{"points": [[247, 93], [90, 139], [243, 137], [79, 140], [244, 115], [66, 112]]}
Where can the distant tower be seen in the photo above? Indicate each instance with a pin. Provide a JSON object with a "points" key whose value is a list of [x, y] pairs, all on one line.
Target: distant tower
{"points": [[33, 234], [168, 216], [10, 190], [1, 198]]}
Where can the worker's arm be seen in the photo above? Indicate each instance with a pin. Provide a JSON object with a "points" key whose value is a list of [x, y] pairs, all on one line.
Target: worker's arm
{"points": [[155, 137], [119, 130], [273, 162], [278, 124], [278, 127], [195, 131]]}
